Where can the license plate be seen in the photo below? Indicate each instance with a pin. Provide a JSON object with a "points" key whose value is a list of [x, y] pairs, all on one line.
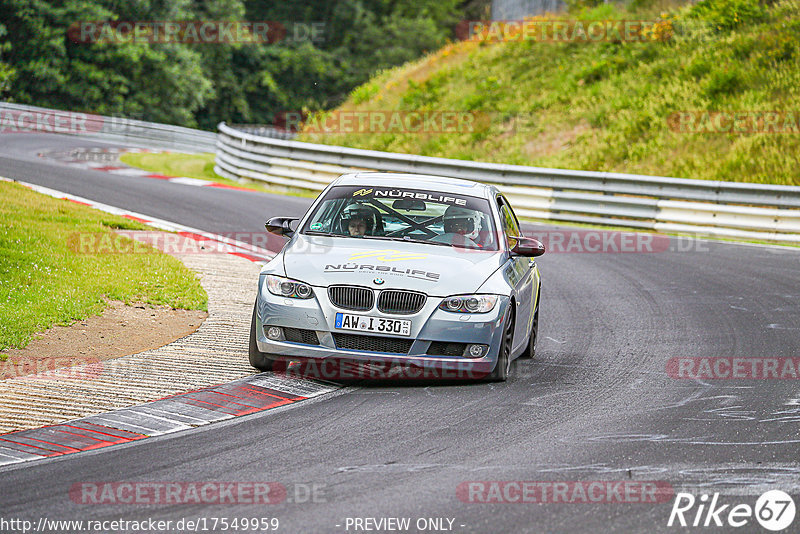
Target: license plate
{"points": [[381, 325]]}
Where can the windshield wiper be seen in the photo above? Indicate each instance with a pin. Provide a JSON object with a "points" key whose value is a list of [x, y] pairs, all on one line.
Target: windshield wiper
{"points": [[385, 238], [317, 232], [435, 243]]}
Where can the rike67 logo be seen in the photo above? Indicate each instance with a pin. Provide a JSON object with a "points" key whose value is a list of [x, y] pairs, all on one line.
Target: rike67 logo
{"points": [[774, 511]]}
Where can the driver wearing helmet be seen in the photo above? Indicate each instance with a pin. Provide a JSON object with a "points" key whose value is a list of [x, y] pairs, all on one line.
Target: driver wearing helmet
{"points": [[461, 227], [357, 221]]}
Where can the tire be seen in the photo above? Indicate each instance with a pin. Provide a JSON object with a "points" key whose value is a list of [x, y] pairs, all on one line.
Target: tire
{"points": [[503, 365], [530, 350], [258, 359]]}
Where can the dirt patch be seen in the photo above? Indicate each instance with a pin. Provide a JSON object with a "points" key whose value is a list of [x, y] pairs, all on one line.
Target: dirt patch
{"points": [[120, 330]]}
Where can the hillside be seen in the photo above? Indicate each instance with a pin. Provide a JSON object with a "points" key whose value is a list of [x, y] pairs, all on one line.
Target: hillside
{"points": [[612, 105]]}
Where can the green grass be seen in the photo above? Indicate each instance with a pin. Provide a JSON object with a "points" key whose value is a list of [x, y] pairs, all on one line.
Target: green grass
{"points": [[45, 282], [605, 106], [200, 166]]}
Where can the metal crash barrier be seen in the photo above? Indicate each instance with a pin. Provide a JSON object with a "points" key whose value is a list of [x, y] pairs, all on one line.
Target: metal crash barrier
{"points": [[674, 205]]}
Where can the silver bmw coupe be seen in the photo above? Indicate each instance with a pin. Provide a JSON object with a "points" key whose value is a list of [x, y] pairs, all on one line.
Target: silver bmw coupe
{"points": [[426, 274]]}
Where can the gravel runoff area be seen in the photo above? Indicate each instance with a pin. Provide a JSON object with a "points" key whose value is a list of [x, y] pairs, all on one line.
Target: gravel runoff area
{"points": [[215, 353]]}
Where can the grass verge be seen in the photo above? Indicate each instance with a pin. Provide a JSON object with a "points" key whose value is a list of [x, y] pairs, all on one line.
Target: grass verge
{"points": [[44, 282], [200, 166]]}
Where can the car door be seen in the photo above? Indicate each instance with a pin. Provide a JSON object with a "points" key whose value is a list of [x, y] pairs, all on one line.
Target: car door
{"points": [[521, 275]]}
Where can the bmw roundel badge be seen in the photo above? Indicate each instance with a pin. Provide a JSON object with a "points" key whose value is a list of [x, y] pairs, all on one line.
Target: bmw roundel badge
{"points": [[379, 281]]}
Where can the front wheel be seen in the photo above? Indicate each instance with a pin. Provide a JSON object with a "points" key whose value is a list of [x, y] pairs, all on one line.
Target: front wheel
{"points": [[503, 366], [258, 359]]}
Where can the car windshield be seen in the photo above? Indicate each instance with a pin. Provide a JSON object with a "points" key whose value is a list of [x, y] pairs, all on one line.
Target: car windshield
{"points": [[404, 214]]}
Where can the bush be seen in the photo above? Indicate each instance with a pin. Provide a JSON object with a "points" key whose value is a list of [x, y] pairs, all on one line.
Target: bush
{"points": [[723, 82], [363, 93], [726, 15], [574, 6]]}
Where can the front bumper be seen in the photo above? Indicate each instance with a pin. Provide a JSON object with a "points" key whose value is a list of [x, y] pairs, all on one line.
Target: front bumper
{"points": [[428, 326]]}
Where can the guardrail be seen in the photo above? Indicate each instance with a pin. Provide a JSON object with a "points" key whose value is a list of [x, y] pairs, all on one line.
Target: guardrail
{"points": [[264, 131], [676, 205], [22, 118]]}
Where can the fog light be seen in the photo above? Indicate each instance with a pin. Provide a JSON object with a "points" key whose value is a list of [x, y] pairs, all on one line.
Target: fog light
{"points": [[274, 332], [475, 351]]}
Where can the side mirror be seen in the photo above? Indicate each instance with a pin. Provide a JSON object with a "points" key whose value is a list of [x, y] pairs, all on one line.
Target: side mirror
{"points": [[527, 246], [281, 226]]}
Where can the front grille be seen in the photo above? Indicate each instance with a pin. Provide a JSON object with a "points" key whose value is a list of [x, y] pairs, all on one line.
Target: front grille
{"points": [[443, 348], [299, 335], [400, 302], [372, 343], [351, 297]]}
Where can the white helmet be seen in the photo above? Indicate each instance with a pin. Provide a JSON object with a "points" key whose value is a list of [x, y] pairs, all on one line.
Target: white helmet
{"points": [[462, 221]]}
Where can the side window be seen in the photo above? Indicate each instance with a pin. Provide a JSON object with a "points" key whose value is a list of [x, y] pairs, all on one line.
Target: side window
{"points": [[510, 226]]}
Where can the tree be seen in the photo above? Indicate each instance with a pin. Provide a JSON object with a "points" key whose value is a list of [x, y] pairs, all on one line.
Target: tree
{"points": [[6, 71], [162, 82], [202, 84]]}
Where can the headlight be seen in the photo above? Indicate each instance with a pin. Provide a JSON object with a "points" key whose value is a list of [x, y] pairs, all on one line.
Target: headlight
{"points": [[286, 287], [469, 303]]}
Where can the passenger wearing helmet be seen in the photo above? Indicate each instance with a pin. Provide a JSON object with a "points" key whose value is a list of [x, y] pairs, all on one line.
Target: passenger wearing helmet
{"points": [[357, 226], [461, 227], [357, 221]]}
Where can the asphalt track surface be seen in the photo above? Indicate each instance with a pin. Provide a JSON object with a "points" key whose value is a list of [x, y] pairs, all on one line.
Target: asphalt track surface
{"points": [[595, 404]]}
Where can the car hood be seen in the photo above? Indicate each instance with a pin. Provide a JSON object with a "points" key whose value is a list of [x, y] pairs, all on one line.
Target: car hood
{"points": [[434, 270]]}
